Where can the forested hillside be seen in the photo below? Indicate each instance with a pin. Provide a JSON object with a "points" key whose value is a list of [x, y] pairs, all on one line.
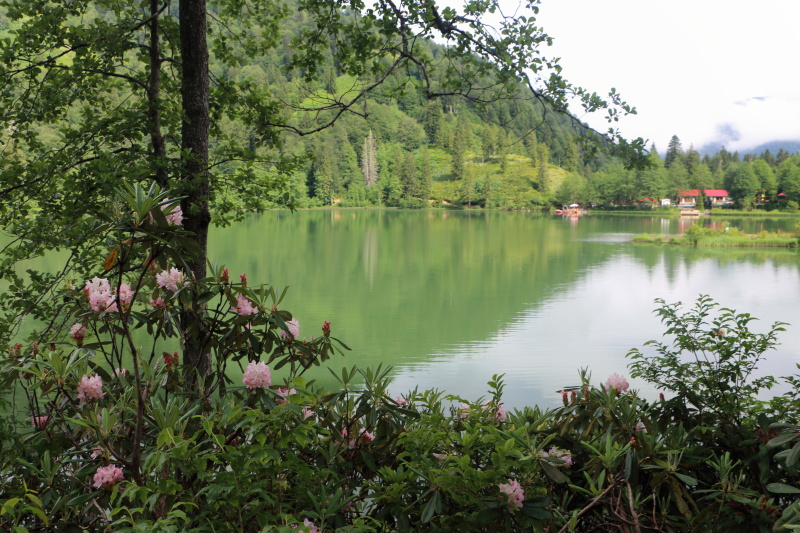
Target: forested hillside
{"points": [[399, 148]]}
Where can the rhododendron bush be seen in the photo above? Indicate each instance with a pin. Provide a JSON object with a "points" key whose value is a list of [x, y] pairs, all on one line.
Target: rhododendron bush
{"points": [[107, 432]]}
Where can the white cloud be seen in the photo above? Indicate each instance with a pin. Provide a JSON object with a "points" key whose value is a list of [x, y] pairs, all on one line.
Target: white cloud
{"points": [[692, 68]]}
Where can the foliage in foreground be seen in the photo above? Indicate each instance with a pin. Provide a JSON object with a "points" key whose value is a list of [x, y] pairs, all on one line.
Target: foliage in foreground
{"points": [[108, 435]]}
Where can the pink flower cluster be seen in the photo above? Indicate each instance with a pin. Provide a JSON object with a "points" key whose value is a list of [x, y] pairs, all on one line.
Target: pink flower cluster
{"points": [[617, 382], [514, 492], [284, 394], [39, 422], [244, 307], [78, 331], [560, 455], [310, 525], [294, 330], [257, 376], [171, 280], [175, 216], [108, 476], [499, 411], [98, 293], [90, 388]]}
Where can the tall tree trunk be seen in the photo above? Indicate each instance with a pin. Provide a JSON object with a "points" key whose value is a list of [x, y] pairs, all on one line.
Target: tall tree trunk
{"points": [[153, 88], [194, 183]]}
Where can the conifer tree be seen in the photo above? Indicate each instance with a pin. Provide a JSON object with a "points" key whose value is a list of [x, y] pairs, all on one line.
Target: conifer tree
{"points": [[674, 151], [369, 161], [410, 178], [324, 187], [426, 174], [542, 170], [461, 144]]}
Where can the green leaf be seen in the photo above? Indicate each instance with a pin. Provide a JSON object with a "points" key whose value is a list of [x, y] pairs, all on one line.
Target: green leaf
{"points": [[553, 473], [689, 480], [434, 506], [83, 498], [794, 455], [780, 488]]}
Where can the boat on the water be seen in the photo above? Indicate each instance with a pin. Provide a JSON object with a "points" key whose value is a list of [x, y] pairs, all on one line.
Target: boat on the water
{"points": [[573, 210]]}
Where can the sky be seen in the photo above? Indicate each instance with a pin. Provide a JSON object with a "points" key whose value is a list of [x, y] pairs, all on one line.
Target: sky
{"points": [[708, 71]]}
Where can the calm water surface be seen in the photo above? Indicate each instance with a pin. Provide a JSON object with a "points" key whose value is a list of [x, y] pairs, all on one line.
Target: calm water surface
{"points": [[450, 298]]}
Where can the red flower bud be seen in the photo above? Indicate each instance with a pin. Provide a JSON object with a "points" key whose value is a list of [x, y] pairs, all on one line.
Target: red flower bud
{"points": [[243, 277], [564, 398], [225, 278], [326, 328]]}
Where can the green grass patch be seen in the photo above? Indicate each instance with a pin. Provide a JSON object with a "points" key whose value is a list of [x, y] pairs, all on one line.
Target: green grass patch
{"points": [[721, 238]]}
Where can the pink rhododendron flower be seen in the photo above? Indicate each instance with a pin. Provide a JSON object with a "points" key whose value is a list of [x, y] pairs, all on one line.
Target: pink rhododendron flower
{"points": [[244, 307], [158, 302], [307, 412], [463, 410], [108, 476], [402, 402], [294, 330], [257, 376], [514, 492], [171, 279], [365, 435], [90, 388], [308, 526], [78, 331], [617, 382], [284, 394], [98, 293], [39, 422], [120, 372], [500, 414], [174, 217], [560, 455], [640, 426]]}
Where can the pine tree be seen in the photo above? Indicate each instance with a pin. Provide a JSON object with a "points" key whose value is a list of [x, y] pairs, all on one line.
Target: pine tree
{"points": [[427, 175], [541, 170], [324, 178], [369, 161], [434, 118], [461, 144], [674, 151], [410, 178]]}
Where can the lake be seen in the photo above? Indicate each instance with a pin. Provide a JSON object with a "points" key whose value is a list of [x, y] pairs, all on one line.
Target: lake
{"points": [[449, 298]]}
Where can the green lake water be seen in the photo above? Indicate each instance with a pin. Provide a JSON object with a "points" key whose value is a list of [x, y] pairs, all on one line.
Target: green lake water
{"points": [[449, 298]]}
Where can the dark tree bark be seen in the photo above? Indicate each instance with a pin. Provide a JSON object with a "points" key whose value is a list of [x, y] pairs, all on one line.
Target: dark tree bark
{"points": [[194, 183]]}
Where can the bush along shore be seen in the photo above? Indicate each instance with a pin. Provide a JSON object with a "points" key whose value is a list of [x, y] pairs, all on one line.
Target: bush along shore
{"points": [[726, 236], [110, 435]]}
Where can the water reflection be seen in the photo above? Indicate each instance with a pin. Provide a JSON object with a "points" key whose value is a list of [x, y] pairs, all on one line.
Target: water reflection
{"points": [[450, 298]]}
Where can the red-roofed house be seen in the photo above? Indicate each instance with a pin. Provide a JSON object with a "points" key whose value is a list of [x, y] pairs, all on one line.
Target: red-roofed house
{"points": [[688, 197], [716, 197]]}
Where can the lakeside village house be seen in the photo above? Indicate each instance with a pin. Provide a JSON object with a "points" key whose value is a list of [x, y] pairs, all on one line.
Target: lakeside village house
{"points": [[688, 198]]}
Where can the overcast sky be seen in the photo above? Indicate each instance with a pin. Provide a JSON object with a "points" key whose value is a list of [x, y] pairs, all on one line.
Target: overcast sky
{"points": [[705, 70]]}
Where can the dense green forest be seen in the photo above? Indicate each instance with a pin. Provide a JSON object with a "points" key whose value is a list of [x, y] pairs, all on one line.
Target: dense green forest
{"points": [[401, 149]]}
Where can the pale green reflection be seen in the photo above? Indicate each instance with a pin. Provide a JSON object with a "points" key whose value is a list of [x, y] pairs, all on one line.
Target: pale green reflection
{"points": [[450, 298]]}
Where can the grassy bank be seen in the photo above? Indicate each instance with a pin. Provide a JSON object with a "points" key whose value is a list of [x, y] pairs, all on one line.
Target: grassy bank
{"points": [[723, 238]]}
